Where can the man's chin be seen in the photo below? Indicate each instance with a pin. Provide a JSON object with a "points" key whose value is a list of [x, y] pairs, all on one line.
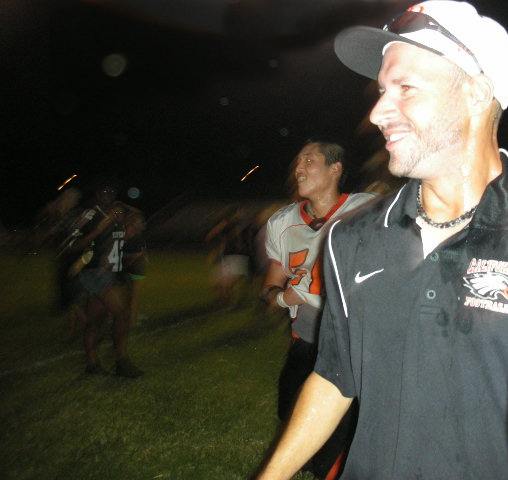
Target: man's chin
{"points": [[395, 167], [398, 167], [302, 192]]}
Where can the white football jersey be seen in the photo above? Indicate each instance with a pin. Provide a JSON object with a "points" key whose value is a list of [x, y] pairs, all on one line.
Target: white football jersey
{"points": [[297, 247]]}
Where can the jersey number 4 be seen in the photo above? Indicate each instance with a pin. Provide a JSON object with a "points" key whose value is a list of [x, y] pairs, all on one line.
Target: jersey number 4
{"points": [[115, 256]]}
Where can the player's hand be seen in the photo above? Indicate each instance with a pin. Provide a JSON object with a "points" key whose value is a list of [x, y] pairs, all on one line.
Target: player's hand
{"points": [[292, 298], [103, 224]]}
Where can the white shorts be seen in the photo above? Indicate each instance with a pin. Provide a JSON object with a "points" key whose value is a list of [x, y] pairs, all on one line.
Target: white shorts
{"points": [[234, 265]]}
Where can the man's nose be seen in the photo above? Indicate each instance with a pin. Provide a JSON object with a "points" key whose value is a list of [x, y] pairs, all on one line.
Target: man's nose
{"points": [[383, 110], [299, 166]]}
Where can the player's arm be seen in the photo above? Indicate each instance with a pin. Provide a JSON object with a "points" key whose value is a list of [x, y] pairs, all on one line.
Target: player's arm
{"points": [[274, 283], [317, 412], [84, 241]]}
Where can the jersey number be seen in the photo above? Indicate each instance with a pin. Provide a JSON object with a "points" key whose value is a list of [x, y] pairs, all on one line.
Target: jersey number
{"points": [[115, 256], [296, 260]]}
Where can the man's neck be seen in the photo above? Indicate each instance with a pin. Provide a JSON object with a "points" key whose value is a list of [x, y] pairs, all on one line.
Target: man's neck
{"points": [[319, 206], [452, 193]]}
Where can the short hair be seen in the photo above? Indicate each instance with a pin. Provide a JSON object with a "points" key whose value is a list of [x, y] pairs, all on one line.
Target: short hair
{"points": [[332, 152]]}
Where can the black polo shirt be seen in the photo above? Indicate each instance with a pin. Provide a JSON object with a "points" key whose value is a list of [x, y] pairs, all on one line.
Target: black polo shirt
{"points": [[422, 342]]}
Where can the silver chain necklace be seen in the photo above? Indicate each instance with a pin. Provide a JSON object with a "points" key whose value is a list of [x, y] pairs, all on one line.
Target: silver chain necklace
{"points": [[449, 223]]}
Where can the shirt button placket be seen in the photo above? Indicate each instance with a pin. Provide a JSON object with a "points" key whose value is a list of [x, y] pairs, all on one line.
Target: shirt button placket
{"points": [[430, 294]]}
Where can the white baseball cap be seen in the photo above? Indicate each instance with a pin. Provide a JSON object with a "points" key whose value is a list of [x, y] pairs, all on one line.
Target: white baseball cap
{"points": [[455, 30]]}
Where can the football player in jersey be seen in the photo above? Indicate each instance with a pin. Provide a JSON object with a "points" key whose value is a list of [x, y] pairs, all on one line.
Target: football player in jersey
{"points": [[101, 240], [294, 239]]}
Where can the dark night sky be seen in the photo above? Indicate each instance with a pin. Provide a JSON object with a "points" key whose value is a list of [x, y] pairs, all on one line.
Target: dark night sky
{"points": [[210, 89]]}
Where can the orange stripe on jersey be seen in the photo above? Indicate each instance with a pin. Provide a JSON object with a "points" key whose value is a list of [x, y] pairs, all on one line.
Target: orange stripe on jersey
{"points": [[334, 470], [308, 219], [315, 274], [296, 259]]}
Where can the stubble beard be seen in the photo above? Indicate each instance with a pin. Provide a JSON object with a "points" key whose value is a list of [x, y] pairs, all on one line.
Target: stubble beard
{"points": [[422, 146]]}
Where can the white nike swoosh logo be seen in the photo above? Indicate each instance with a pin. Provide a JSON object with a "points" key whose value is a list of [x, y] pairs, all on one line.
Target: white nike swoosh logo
{"points": [[361, 278]]}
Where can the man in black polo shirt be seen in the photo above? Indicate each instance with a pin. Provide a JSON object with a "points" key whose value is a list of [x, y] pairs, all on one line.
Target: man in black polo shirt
{"points": [[416, 320]]}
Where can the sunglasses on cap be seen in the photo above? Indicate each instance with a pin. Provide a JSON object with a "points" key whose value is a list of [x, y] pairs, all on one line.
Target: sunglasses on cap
{"points": [[410, 22]]}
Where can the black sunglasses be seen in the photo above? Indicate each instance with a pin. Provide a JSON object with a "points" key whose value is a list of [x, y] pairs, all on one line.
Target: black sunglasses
{"points": [[410, 22]]}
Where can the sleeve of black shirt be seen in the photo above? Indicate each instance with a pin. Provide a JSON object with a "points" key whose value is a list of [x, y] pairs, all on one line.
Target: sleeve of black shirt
{"points": [[334, 357]]}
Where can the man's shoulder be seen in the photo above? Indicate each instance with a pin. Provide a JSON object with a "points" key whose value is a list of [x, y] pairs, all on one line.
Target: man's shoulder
{"points": [[286, 213], [369, 214], [355, 200], [362, 197]]}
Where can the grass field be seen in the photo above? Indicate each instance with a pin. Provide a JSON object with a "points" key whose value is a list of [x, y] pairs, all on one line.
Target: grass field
{"points": [[205, 408]]}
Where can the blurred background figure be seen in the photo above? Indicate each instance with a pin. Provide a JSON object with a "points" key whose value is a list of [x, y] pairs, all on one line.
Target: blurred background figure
{"points": [[99, 239], [260, 261], [231, 243], [53, 219], [376, 176]]}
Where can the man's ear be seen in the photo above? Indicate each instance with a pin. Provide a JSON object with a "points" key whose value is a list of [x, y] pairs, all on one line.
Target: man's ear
{"points": [[481, 93], [336, 168]]}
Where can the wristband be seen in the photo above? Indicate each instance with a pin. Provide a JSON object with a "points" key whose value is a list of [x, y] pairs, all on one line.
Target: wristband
{"points": [[264, 295], [280, 300]]}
